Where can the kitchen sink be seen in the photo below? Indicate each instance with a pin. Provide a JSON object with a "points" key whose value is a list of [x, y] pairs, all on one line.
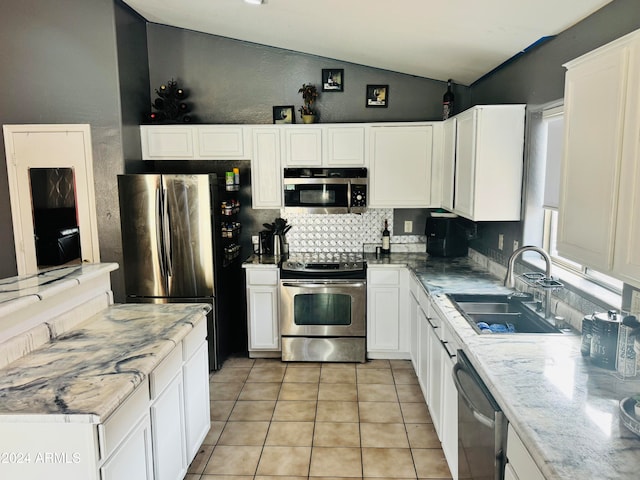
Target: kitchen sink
{"points": [[490, 313]]}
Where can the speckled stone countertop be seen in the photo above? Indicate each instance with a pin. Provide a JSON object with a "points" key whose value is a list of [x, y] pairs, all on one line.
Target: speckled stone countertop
{"points": [[565, 410], [84, 374], [18, 292]]}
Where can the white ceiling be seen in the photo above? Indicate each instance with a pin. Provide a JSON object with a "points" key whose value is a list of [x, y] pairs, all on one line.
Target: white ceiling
{"points": [[438, 39]]}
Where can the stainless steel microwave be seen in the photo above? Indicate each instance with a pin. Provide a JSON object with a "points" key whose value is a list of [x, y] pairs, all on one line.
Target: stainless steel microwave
{"points": [[325, 190]]}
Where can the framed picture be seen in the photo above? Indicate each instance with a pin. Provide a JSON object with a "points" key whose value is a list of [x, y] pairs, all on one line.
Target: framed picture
{"points": [[377, 96], [332, 80], [284, 114]]}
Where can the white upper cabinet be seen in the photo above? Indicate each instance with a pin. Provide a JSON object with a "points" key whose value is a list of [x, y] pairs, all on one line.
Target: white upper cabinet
{"points": [[400, 166], [599, 216], [334, 145], [489, 163], [162, 142], [448, 161], [266, 173], [194, 142], [303, 146], [345, 146], [221, 142]]}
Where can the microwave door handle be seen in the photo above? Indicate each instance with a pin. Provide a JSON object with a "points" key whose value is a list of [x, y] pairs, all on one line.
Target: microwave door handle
{"points": [[488, 422]]}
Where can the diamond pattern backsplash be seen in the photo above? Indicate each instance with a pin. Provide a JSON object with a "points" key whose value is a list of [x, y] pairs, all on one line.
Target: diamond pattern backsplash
{"points": [[346, 232]]}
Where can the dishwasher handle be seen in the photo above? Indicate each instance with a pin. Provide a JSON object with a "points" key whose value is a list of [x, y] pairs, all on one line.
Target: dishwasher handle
{"points": [[488, 422]]}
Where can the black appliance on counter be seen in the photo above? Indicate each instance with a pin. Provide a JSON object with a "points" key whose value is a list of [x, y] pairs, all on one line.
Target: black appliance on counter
{"points": [[446, 236]]}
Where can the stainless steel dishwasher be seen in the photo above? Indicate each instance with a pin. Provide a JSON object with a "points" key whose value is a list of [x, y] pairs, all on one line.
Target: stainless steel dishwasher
{"points": [[482, 427]]}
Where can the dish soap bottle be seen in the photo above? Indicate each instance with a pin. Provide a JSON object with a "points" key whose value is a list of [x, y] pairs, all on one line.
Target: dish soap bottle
{"points": [[386, 240]]}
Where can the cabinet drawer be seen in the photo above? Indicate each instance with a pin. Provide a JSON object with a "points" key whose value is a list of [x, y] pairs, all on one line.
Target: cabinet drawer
{"points": [[384, 276], [262, 276], [119, 424], [194, 339], [164, 373]]}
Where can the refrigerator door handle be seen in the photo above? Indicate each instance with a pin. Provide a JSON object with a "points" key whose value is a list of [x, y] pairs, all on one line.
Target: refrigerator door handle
{"points": [[166, 227], [160, 232]]}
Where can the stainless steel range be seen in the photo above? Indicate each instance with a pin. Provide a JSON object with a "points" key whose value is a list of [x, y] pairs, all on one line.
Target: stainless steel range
{"points": [[323, 302]]}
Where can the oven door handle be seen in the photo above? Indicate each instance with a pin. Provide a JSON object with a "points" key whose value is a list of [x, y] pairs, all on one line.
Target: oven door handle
{"points": [[322, 284], [488, 422]]}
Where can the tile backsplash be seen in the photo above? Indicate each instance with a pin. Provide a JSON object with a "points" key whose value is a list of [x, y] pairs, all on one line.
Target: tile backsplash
{"points": [[346, 232]]}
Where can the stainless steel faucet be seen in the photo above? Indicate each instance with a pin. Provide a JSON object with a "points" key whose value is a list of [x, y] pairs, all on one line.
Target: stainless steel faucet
{"points": [[510, 282]]}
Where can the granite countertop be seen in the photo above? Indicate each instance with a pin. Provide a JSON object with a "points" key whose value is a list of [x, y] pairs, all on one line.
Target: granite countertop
{"points": [[84, 374], [565, 409], [20, 291], [259, 261]]}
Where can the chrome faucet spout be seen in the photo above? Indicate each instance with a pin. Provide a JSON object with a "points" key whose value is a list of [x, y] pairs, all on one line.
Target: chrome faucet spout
{"points": [[509, 281]]}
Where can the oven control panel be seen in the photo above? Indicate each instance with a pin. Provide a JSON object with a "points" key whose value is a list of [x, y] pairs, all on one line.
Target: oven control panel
{"points": [[328, 263]]}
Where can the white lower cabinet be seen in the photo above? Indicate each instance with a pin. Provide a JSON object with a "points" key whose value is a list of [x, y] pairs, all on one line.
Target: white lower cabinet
{"points": [[152, 435], [449, 427], [414, 350], [519, 459], [133, 458], [168, 430], [263, 297], [197, 412], [387, 312], [434, 378]]}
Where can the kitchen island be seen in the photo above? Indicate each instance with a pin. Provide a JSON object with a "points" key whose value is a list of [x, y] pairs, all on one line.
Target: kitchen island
{"points": [[564, 409], [108, 391]]}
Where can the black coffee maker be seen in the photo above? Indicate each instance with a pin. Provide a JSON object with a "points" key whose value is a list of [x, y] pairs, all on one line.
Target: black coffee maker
{"points": [[446, 236], [266, 242]]}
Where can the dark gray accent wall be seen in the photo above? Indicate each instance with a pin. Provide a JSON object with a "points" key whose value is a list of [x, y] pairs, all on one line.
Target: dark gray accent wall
{"points": [[538, 77], [231, 81], [60, 65]]}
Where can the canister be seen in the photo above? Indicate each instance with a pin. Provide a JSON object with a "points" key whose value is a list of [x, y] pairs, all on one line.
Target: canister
{"points": [[587, 328], [604, 339]]}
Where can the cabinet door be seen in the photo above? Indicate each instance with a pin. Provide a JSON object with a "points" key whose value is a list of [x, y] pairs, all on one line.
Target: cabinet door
{"points": [[197, 415], [266, 174], [434, 385], [345, 146], [449, 407], [594, 110], [400, 163], [627, 254], [448, 162], [133, 458], [423, 356], [465, 163], [264, 330], [167, 420], [221, 142], [413, 329], [168, 142], [303, 146], [382, 325]]}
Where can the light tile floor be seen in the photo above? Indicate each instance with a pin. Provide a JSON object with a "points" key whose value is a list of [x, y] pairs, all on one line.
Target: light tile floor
{"points": [[292, 421]]}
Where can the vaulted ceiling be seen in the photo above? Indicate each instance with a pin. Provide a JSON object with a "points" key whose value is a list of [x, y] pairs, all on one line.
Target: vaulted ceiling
{"points": [[458, 39]]}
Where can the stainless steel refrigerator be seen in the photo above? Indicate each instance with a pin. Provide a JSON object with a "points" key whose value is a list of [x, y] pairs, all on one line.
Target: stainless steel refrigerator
{"points": [[174, 251]]}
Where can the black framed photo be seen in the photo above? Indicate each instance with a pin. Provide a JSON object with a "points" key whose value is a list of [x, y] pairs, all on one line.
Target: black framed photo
{"points": [[377, 96], [333, 80], [284, 114]]}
